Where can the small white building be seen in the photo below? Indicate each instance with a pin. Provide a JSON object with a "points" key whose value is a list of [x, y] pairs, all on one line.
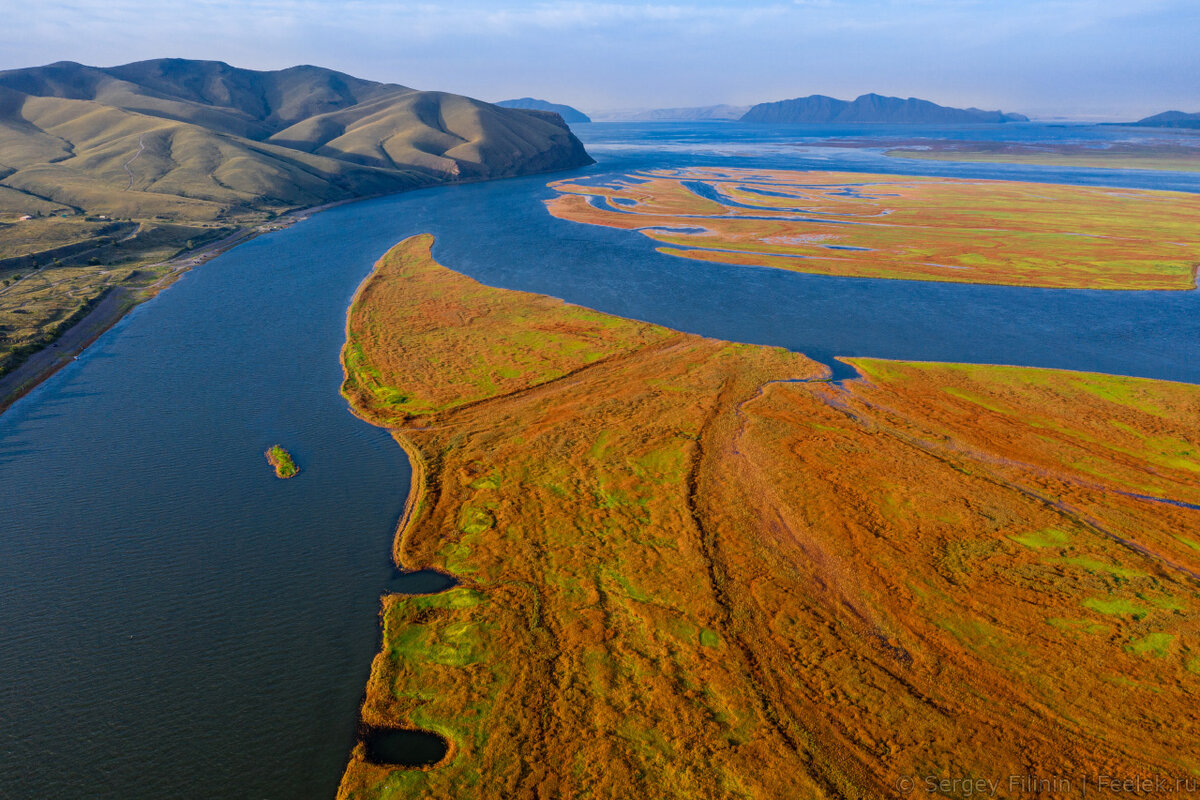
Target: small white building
{"points": [[27, 216]]}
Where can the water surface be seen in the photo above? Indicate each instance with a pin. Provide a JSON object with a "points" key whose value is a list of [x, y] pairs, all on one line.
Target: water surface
{"points": [[179, 622]]}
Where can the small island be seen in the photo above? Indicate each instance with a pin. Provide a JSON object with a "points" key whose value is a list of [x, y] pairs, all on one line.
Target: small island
{"points": [[281, 460]]}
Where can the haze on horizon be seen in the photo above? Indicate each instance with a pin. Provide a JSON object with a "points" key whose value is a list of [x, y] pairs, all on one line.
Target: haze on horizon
{"points": [[1080, 59]]}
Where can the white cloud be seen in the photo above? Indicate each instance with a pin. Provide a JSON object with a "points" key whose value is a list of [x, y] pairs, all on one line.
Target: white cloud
{"points": [[1014, 53]]}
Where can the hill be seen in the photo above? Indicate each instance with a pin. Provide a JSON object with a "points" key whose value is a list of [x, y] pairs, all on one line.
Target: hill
{"points": [[202, 140], [872, 108], [1171, 119], [568, 113], [106, 173]]}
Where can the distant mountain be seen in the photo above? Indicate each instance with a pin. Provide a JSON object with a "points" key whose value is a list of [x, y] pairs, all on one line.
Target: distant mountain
{"points": [[202, 140], [1171, 119], [870, 108], [687, 114], [568, 113]]}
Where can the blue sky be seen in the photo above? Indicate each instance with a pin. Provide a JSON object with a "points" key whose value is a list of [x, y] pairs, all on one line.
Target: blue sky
{"points": [[1113, 59]]}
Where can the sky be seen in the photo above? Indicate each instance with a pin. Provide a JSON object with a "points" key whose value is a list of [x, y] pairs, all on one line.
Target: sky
{"points": [[1073, 59]]}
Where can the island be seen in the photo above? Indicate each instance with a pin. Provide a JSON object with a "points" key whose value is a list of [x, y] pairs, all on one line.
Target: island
{"points": [[695, 568], [115, 179], [281, 460], [1170, 119], [902, 227], [871, 108]]}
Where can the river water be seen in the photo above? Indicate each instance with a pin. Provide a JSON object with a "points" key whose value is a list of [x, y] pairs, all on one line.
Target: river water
{"points": [[178, 622]]}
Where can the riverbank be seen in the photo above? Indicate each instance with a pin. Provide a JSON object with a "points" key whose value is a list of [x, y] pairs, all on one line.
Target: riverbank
{"points": [[118, 301], [695, 567], [70, 343]]}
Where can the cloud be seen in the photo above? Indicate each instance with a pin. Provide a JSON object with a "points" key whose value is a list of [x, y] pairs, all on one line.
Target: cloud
{"points": [[1018, 53]]}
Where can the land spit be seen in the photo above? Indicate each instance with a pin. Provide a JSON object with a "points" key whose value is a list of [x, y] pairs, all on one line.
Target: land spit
{"points": [[696, 568]]}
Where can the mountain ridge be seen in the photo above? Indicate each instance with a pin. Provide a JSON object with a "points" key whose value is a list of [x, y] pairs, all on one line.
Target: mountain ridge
{"points": [[1171, 119], [114, 179], [568, 113], [870, 108], [82, 136]]}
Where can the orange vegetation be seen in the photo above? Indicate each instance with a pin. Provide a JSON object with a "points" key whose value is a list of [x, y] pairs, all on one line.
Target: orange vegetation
{"points": [[905, 227], [692, 568], [1174, 158]]}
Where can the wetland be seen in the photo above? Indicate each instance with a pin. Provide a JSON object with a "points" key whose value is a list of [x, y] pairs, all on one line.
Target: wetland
{"points": [[249, 606], [697, 567]]}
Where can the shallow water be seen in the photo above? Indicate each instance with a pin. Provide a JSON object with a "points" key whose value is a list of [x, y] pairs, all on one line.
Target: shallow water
{"points": [[180, 622], [408, 748], [421, 581]]}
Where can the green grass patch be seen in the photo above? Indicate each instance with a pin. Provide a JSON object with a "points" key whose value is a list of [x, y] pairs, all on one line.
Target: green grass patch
{"points": [[665, 462], [1166, 603], [281, 460], [631, 591], [1116, 606], [1098, 567], [600, 447], [1192, 543], [978, 635], [976, 400], [1156, 644], [472, 519], [1047, 537], [486, 482]]}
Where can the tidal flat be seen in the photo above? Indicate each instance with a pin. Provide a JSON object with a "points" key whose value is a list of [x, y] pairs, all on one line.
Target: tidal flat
{"points": [[1174, 157], [689, 567], [903, 227]]}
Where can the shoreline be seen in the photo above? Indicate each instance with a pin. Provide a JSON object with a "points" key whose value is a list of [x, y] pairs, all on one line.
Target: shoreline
{"points": [[44, 363], [418, 483], [717, 467], [615, 523]]}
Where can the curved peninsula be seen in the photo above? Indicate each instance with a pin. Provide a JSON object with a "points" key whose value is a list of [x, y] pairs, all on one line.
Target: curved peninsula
{"points": [[693, 568]]}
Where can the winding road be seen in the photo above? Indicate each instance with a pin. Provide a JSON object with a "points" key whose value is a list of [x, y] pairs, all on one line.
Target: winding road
{"points": [[141, 149]]}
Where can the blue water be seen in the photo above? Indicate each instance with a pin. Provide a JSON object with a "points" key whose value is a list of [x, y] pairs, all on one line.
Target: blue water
{"points": [[178, 622]]}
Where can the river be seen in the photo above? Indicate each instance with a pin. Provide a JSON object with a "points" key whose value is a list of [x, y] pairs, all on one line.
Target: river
{"points": [[178, 622]]}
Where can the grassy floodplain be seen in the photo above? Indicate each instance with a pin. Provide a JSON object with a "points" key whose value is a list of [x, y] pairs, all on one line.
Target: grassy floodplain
{"points": [[1121, 156], [904, 227], [692, 568]]}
